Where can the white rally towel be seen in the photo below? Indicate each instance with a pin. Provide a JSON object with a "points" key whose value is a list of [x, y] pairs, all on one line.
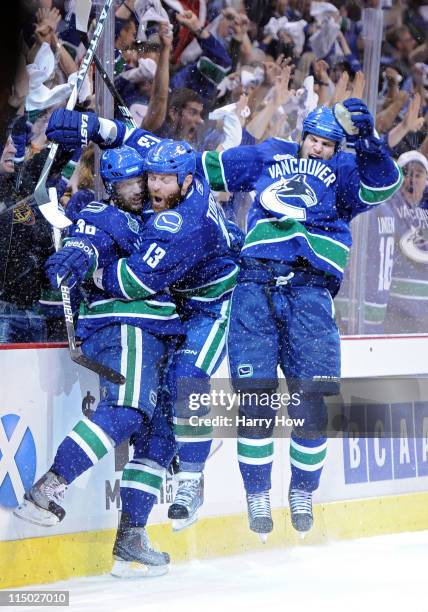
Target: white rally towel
{"points": [[39, 95], [146, 70], [149, 10], [295, 29]]}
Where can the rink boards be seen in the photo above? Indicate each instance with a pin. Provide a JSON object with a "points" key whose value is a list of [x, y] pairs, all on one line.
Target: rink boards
{"points": [[369, 486]]}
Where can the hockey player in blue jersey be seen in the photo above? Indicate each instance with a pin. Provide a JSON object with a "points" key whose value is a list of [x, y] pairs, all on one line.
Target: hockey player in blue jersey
{"points": [[203, 293], [292, 263], [132, 337], [186, 247]]}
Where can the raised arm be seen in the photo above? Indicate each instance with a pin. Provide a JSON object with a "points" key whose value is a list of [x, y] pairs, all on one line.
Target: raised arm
{"points": [[156, 111]]}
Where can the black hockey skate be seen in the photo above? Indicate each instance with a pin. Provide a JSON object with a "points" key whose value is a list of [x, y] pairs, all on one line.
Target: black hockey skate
{"points": [[188, 499], [133, 554], [301, 509], [259, 514], [40, 502]]}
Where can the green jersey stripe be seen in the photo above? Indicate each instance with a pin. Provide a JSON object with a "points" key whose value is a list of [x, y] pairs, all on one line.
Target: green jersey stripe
{"points": [[91, 439], [212, 290], [138, 309], [246, 450], [213, 170], [308, 458], [376, 195], [83, 446], [192, 431], [215, 339], [409, 288], [131, 286], [306, 467], [277, 230], [152, 480], [130, 371]]}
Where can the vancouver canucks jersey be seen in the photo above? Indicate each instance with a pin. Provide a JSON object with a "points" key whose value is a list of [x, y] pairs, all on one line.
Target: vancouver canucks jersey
{"points": [[303, 207], [408, 298], [186, 249], [115, 234], [379, 266]]}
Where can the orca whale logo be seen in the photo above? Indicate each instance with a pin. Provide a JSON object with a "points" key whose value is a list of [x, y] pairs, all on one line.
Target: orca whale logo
{"points": [[414, 244], [294, 187]]}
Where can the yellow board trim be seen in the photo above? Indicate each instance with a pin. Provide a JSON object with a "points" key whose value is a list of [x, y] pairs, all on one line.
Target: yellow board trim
{"points": [[48, 559]]}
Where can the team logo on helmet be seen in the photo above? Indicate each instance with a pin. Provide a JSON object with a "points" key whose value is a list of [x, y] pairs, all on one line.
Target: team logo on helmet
{"points": [[180, 150]]}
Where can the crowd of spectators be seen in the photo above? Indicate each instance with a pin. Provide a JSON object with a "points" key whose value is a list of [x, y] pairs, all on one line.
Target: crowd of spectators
{"points": [[218, 73]]}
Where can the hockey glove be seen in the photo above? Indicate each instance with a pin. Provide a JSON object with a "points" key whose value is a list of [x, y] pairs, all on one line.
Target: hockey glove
{"points": [[354, 118], [72, 129], [21, 131], [76, 262]]}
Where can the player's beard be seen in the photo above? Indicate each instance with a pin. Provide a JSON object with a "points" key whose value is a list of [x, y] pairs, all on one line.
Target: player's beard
{"points": [[160, 203], [132, 205]]}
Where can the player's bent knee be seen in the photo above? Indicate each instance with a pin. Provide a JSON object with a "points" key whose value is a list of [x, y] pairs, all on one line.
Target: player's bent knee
{"points": [[118, 422], [193, 397]]}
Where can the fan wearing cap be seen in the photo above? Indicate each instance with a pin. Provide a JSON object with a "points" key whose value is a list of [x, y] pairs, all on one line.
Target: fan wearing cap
{"points": [[407, 311]]}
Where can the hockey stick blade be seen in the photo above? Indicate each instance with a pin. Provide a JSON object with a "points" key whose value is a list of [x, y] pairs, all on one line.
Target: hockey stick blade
{"points": [[75, 351], [52, 213]]}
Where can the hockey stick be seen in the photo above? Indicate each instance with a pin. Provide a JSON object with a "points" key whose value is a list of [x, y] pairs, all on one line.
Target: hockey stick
{"points": [[121, 104], [47, 201], [83, 8], [76, 353]]}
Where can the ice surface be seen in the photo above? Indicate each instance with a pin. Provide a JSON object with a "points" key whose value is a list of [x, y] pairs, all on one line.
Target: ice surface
{"points": [[385, 573]]}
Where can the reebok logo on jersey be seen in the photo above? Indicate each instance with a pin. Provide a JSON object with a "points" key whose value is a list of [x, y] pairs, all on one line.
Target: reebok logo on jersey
{"points": [[169, 221]]}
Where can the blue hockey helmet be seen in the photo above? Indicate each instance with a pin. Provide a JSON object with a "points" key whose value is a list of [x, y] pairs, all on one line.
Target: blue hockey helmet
{"points": [[171, 157], [321, 122], [120, 164]]}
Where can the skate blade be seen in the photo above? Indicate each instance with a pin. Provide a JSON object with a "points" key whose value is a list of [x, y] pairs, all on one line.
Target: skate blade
{"points": [[133, 569], [28, 511], [180, 524], [263, 537]]}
